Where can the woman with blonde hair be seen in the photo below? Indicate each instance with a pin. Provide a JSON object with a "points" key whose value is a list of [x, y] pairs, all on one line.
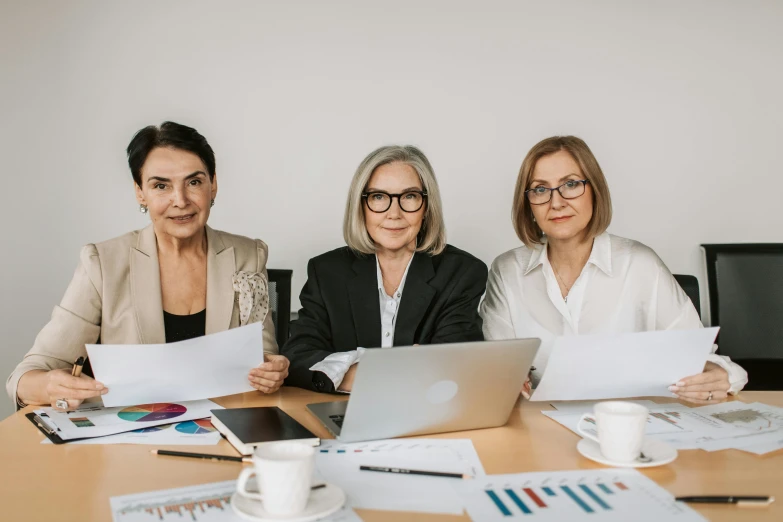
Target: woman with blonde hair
{"points": [[396, 283], [572, 277]]}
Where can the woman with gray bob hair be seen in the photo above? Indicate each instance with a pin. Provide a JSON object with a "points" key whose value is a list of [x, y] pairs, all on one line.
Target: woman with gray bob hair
{"points": [[432, 238], [396, 283]]}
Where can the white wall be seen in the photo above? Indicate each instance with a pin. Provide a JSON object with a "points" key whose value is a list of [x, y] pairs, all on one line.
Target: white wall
{"points": [[681, 101]]}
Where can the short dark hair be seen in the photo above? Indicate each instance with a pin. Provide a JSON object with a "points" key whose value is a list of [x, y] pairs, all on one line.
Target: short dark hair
{"points": [[172, 135]]}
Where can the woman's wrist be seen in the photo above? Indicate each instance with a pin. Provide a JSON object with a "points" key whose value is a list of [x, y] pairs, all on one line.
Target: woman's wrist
{"points": [[31, 388]]}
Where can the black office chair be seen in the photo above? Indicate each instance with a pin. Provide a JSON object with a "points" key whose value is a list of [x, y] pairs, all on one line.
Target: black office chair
{"points": [[280, 302], [745, 284], [690, 285]]}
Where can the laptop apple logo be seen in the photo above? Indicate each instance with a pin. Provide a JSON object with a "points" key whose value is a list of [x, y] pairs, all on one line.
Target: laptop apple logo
{"points": [[442, 391]]}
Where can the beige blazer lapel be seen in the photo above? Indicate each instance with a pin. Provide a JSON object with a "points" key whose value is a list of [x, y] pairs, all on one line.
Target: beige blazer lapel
{"points": [[220, 283], [145, 288]]}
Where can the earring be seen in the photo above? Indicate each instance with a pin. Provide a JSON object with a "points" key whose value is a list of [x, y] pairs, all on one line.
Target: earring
{"points": [[143, 209], [212, 204]]}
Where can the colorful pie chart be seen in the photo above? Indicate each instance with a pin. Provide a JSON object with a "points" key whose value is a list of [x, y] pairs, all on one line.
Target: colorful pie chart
{"points": [[151, 412], [196, 427]]}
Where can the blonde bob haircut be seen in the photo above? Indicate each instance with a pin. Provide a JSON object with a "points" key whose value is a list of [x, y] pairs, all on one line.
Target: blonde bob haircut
{"points": [[432, 236], [522, 215]]}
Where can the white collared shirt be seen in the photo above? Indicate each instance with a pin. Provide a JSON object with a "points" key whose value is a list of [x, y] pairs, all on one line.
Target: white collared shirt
{"points": [[624, 287], [336, 365], [390, 305]]}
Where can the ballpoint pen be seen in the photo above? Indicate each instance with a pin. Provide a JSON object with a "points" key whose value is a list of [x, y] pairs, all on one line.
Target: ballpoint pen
{"points": [[76, 371], [740, 500], [404, 471]]}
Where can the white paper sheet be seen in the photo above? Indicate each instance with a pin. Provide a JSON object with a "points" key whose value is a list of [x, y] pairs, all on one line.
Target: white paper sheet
{"points": [[203, 503], [339, 463], [208, 366], [596, 495], [93, 420], [198, 432], [767, 447], [643, 364]]}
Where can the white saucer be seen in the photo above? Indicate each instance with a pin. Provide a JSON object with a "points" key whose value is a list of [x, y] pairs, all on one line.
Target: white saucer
{"points": [[322, 502], [660, 453]]}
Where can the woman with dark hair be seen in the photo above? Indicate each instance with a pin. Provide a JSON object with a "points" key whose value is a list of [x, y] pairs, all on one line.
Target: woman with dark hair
{"points": [[173, 280]]}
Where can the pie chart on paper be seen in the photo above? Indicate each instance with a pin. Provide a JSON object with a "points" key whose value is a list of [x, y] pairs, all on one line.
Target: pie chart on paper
{"points": [[151, 412], [196, 427]]}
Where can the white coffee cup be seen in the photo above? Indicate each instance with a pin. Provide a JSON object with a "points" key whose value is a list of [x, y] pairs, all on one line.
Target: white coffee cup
{"points": [[620, 427], [284, 473]]}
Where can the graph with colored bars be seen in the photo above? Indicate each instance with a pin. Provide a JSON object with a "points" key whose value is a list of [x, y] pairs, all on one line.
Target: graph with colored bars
{"points": [[592, 492], [199, 504], [670, 417], [571, 495]]}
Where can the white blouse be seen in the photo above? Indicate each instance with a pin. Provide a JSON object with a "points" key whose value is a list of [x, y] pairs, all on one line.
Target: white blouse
{"points": [[624, 287]]}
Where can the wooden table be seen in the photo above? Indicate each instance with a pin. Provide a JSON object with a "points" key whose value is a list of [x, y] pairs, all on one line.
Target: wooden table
{"points": [[74, 482]]}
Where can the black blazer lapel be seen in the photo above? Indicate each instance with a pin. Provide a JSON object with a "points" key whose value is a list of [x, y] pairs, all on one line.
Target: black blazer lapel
{"points": [[417, 295], [365, 305]]}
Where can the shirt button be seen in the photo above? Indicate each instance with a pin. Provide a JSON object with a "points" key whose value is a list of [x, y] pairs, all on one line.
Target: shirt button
{"points": [[388, 334]]}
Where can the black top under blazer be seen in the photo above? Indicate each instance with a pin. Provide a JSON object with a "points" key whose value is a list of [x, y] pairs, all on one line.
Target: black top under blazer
{"points": [[341, 309]]}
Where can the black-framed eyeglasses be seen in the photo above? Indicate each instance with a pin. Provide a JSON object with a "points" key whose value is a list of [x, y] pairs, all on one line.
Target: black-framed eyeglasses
{"points": [[410, 201], [571, 189]]}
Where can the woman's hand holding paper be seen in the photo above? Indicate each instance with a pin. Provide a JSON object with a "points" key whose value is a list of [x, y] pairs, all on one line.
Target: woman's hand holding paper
{"points": [[269, 376], [61, 384], [708, 387]]}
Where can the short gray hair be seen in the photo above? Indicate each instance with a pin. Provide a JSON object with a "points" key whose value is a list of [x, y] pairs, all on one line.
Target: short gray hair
{"points": [[432, 237]]}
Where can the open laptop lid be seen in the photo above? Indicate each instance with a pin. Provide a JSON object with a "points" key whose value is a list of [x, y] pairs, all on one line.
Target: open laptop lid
{"points": [[436, 388]]}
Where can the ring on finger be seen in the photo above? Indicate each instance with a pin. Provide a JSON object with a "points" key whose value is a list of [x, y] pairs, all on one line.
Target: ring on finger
{"points": [[709, 397], [61, 403]]}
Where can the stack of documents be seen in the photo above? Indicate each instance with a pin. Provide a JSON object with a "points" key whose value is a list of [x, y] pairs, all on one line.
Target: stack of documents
{"points": [[756, 428], [93, 420], [336, 463], [199, 432]]}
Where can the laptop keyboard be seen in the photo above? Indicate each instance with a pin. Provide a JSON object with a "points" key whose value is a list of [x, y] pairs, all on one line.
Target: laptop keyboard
{"points": [[337, 419]]}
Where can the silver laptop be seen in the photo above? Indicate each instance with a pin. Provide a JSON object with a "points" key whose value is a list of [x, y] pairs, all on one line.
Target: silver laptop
{"points": [[436, 388]]}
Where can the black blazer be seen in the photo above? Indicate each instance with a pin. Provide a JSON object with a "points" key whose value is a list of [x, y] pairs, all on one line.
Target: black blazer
{"points": [[341, 309]]}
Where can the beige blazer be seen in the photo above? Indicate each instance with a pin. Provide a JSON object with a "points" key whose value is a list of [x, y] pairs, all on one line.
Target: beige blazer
{"points": [[115, 298]]}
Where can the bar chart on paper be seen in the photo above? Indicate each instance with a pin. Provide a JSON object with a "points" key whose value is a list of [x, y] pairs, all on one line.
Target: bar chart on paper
{"points": [[203, 503], [595, 495], [207, 503]]}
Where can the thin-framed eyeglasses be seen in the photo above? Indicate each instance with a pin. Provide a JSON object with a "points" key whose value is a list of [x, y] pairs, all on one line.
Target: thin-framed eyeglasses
{"points": [[410, 200], [571, 189]]}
